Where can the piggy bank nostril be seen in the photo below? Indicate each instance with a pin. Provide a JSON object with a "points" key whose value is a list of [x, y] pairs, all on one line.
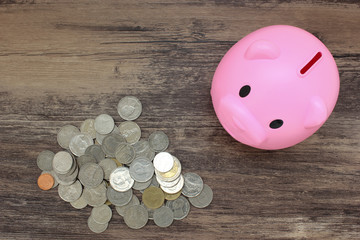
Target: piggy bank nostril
{"points": [[276, 123], [244, 91]]}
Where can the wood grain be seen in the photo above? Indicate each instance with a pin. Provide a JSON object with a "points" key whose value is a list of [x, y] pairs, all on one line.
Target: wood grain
{"points": [[64, 61]]}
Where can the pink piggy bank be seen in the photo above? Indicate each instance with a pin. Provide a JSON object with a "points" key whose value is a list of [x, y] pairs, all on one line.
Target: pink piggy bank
{"points": [[275, 87]]}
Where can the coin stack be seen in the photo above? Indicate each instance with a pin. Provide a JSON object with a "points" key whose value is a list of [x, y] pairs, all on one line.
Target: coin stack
{"points": [[103, 164]]}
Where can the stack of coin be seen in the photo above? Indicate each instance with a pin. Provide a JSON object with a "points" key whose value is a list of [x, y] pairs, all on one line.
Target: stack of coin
{"points": [[102, 164]]}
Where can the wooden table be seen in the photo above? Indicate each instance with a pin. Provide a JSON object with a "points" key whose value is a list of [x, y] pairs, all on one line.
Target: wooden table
{"points": [[64, 61]]}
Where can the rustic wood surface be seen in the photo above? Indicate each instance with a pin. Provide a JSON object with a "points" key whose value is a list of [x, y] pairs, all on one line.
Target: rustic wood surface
{"points": [[64, 61]]}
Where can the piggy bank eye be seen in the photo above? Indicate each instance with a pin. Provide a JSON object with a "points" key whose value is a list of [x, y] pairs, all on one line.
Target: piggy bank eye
{"points": [[276, 123], [244, 91]]}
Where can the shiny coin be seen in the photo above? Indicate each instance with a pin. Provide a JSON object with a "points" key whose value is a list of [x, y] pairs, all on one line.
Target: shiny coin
{"points": [[96, 227], [172, 196], [70, 193], [142, 149], [65, 135], [86, 158], [119, 198], [87, 127], [91, 175], [176, 188], [110, 143], [125, 153], [171, 175], [101, 214], [79, 143], [129, 108], [167, 183], [180, 207], [141, 185], [130, 131], [163, 217], [158, 141], [121, 180], [104, 124], [141, 169], [62, 162], [53, 174], [45, 159], [163, 162], [108, 166], [193, 185], [203, 199], [95, 196], [96, 151], [121, 209], [45, 181], [80, 203], [153, 197], [136, 216]]}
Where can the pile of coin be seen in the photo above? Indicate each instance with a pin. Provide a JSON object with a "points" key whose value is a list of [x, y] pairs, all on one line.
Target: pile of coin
{"points": [[103, 165]]}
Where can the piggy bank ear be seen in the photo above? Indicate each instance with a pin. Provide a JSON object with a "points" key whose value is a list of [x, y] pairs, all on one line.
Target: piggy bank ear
{"points": [[262, 49], [316, 114]]}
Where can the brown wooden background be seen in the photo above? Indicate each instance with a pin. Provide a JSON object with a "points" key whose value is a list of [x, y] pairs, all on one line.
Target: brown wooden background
{"points": [[64, 61]]}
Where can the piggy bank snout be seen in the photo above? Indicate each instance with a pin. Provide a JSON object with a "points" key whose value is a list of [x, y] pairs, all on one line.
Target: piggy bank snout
{"points": [[243, 125]]}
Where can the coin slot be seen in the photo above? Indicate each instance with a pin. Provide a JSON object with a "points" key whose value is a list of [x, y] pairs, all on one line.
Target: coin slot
{"points": [[311, 63], [276, 123]]}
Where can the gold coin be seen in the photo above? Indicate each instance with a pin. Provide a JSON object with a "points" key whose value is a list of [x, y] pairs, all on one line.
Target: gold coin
{"points": [[153, 197], [171, 172], [117, 162], [108, 203], [172, 196]]}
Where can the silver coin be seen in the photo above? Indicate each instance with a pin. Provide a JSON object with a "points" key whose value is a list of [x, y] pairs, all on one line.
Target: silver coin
{"points": [[168, 184], [141, 169], [108, 165], [125, 153], [142, 149], [177, 164], [70, 193], [150, 211], [141, 185], [119, 198], [65, 134], [101, 214], [53, 174], [193, 185], [96, 151], [87, 127], [96, 227], [62, 162], [163, 162], [80, 203], [174, 189], [203, 199], [129, 108], [158, 141], [163, 216], [104, 124], [100, 137], [110, 144], [65, 183], [95, 196], [180, 207], [130, 131], [86, 158], [121, 209], [91, 175], [154, 183], [121, 180], [45, 159], [136, 216], [79, 143], [69, 178]]}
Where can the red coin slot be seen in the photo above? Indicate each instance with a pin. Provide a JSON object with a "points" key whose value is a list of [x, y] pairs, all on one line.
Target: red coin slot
{"points": [[311, 62]]}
